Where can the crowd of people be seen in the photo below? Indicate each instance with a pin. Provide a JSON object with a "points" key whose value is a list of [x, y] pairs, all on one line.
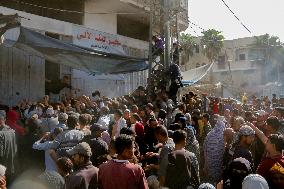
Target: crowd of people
{"points": [[143, 141]]}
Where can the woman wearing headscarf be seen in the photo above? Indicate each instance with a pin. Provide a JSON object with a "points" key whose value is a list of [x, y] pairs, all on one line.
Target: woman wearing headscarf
{"points": [[238, 169], [206, 186], [254, 181], [213, 151], [192, 144]]}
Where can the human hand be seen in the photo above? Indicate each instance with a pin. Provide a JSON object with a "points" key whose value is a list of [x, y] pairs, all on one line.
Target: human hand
{"points": [[45, 135], [220, 185], [2, 182]]}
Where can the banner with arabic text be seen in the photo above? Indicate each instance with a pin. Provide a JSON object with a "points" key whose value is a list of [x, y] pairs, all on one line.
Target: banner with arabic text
{"points": [[97, 40]]}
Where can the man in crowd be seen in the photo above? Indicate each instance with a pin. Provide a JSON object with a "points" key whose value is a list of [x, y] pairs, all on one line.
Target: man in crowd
{"points": [[246, 137], [123, 174], [86, 175], [120, 122], [54, 87], [8, 146], [183, 168]]}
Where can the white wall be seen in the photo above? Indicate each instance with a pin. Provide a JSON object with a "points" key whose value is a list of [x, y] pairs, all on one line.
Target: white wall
{"points": [[108, 85], [40, 23], [102, 22]]}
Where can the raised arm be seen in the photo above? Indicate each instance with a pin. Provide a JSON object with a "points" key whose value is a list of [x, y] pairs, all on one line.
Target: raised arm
{"points": [[258, 133]]}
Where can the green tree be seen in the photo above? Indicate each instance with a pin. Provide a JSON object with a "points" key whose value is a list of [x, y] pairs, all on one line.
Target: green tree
{"points": [[266, 41], [212, 43], [188, 43]]}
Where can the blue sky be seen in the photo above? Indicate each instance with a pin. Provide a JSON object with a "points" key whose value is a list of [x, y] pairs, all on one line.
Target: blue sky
{"points": [[260, 16]]}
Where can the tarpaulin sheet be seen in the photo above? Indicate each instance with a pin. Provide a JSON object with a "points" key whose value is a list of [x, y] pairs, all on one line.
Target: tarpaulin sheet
{"points": [[77, 57], [192, 76]]}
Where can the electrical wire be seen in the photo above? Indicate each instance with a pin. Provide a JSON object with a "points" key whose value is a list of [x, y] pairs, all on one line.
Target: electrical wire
{"points": [[197, 26], [236, 16], [194, 31], [73, 11]]}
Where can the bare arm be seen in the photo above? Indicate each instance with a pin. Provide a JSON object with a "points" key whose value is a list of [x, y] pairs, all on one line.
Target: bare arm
{"points": [[259, 133]]}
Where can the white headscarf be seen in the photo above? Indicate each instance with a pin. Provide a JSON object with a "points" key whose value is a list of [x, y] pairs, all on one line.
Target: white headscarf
{"points": [[254, 181]]}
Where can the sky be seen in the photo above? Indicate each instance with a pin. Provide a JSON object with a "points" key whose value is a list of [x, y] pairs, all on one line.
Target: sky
{"points": [[260, 16]]}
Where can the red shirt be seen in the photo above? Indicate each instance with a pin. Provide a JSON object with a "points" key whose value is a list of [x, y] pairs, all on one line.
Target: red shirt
{"points": [[266, 164], [216, 108], [139, 129], [121, 175], [12, 119]]}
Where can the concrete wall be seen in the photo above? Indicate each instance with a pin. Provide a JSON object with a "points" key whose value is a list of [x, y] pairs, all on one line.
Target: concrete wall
{"points": [[21, 76], [102, 22], [40, 23], [31, 81]]}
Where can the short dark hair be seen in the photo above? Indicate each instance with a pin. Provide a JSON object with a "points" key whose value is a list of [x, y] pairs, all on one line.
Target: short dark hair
{"points": [[162, 114], [123, 142], [118, 112], [278, 141], [72, 121], [133, 107], [96, 93], [206, 116], [179, 136], [127, 131], [84, 119], [273, 122], [136, 117], [65, 164], [161, 130]]}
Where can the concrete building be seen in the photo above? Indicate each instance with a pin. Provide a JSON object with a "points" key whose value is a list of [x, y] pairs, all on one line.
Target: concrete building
{"points": [[23, 75], [241, 67]]}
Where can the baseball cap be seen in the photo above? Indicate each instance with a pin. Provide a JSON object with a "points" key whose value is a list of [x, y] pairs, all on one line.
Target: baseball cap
{"points": [[62, 117], [246, 130], [82, 148]]}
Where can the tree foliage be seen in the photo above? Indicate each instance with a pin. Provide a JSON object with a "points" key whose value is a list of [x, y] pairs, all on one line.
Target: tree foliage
{"points": [[266, 40], [212, 43], [188, 43]]}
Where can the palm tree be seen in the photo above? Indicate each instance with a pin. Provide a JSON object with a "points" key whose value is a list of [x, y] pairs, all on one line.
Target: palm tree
{"points": [[188, 44], [212, 43]]}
